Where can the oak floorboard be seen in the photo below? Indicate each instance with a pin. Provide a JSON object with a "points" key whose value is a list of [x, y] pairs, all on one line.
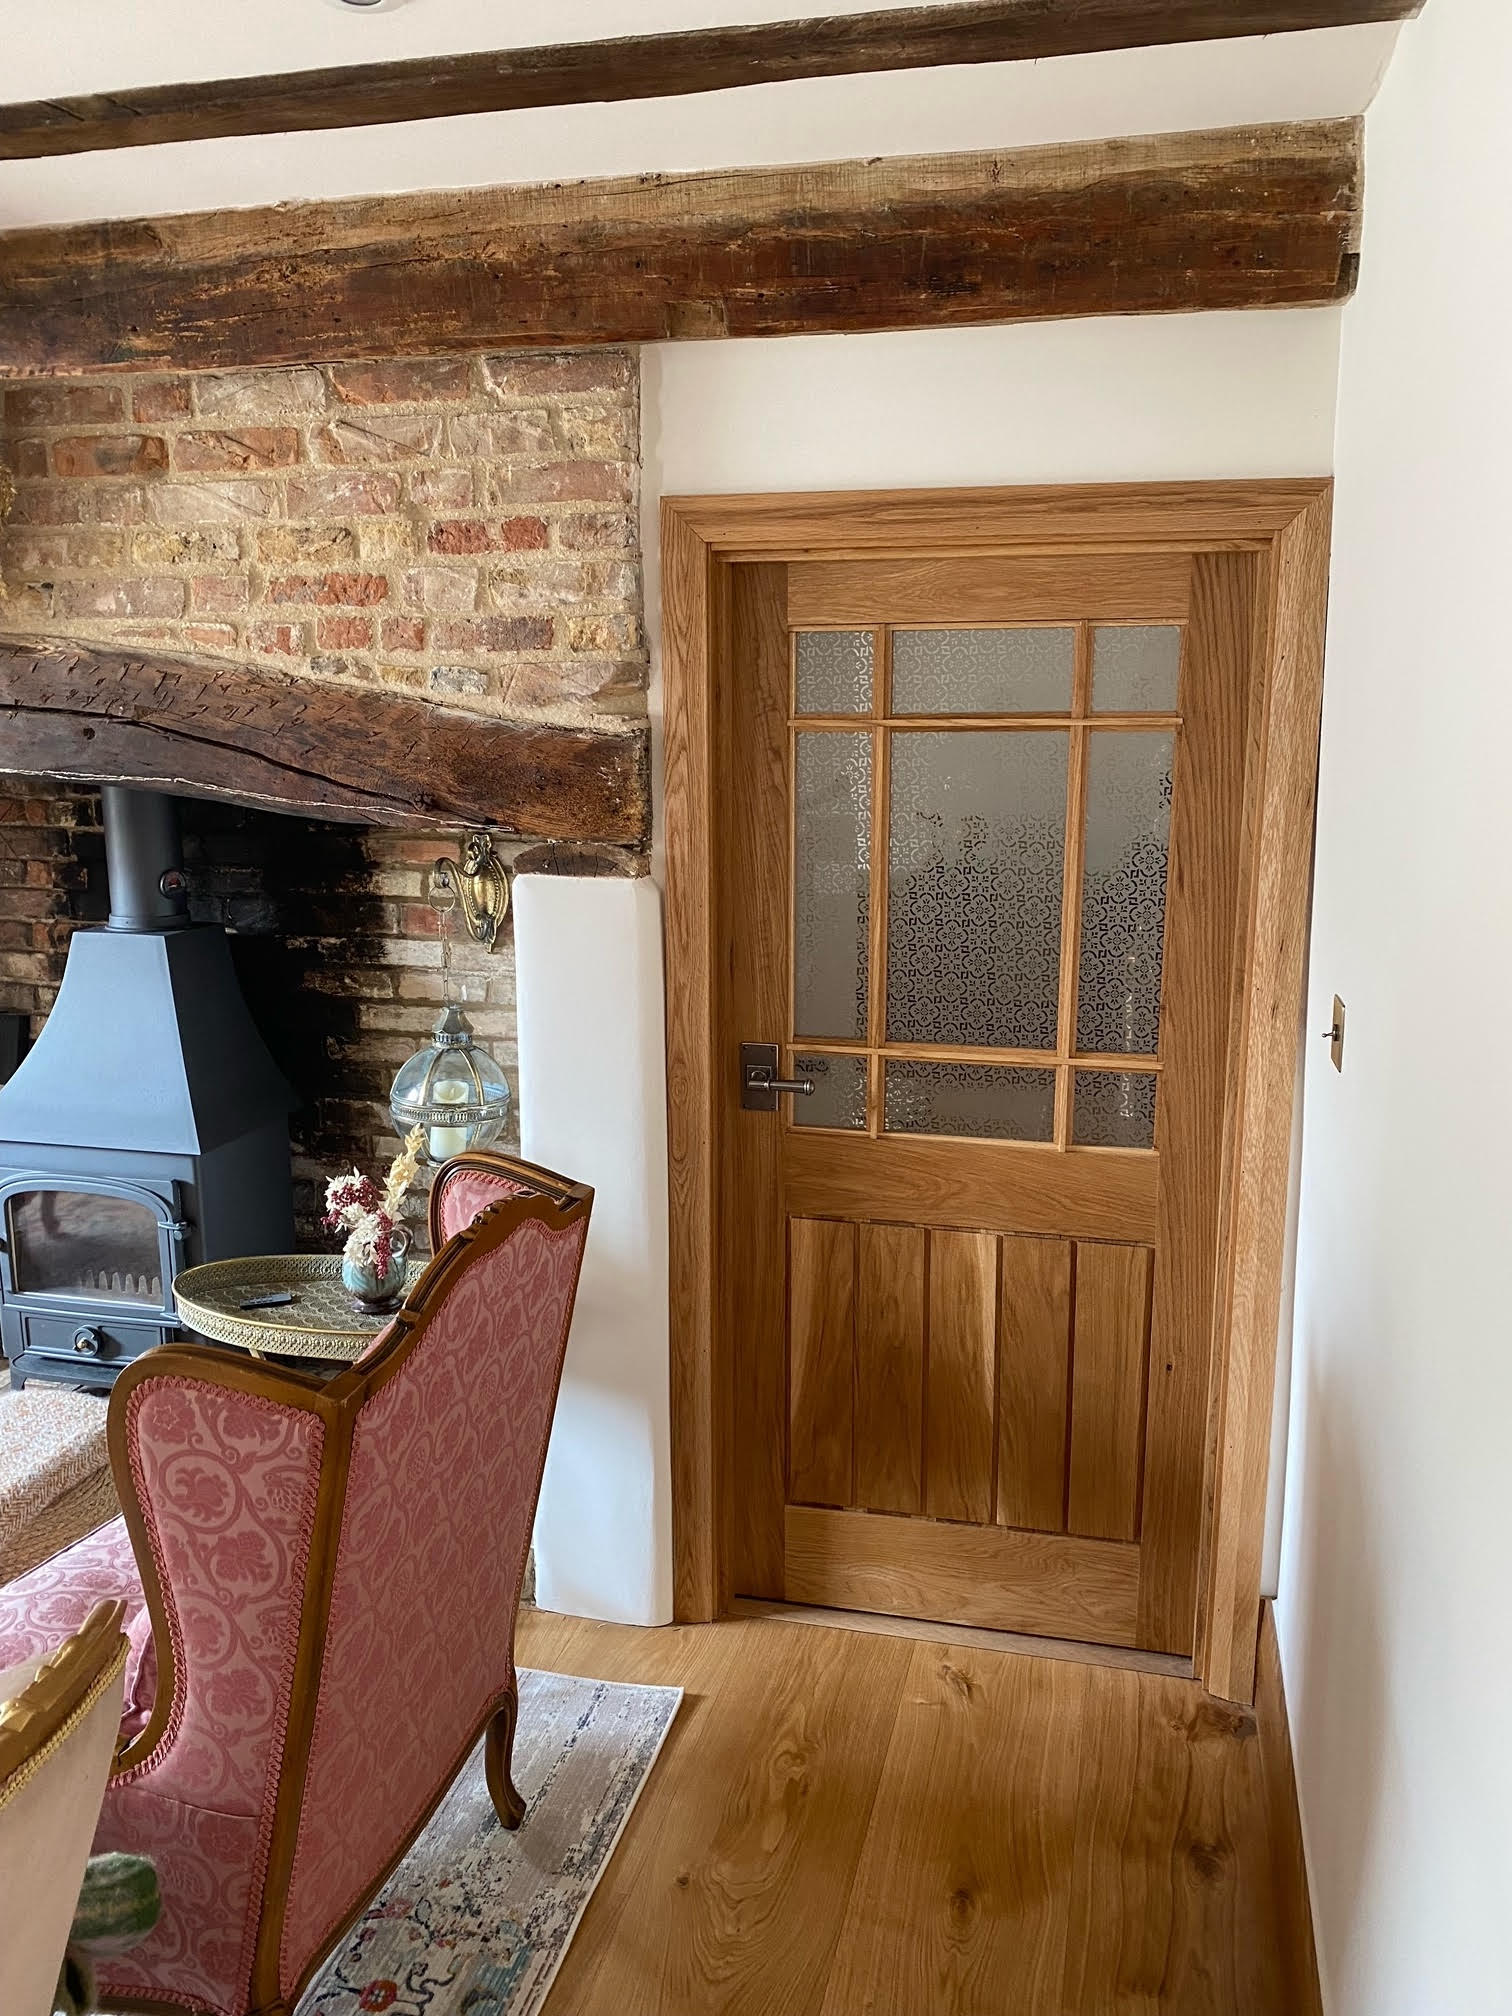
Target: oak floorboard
{"points": [[960, 1906], [727, 1893], [843, 1824]]}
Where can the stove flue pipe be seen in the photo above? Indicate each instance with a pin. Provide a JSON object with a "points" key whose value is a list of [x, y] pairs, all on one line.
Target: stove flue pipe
{"points": [[144, 860]]}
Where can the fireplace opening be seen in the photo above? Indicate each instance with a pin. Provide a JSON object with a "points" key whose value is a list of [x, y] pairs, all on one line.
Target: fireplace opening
{"points": [[334, 954]]}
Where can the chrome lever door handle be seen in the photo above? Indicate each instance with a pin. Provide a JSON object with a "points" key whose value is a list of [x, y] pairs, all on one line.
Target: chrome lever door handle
{"points": [[759, 1083]]}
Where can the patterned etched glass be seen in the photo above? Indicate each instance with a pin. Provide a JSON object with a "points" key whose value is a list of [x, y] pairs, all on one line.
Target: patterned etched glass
{"points": [[982, 1101], [982, 671], [1124, 891], [832, 884], [835, 671], [1114, 1109], [975, 855], [839, 1095], [1136, 670]]}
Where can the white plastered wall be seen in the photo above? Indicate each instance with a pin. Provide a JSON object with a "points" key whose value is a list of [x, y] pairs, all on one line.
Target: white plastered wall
{"points": [[1394, 1619]]}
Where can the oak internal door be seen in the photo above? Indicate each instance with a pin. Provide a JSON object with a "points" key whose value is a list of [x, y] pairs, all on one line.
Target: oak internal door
{"points": [[982, 830]]}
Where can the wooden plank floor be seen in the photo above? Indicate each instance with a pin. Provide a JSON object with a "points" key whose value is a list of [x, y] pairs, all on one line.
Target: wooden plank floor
{"points": [[844, 1824]]}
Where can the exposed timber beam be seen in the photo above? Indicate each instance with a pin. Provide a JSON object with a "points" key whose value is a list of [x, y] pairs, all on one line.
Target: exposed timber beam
{"points": [[651, 66], [208, 729], [1256, 217]]}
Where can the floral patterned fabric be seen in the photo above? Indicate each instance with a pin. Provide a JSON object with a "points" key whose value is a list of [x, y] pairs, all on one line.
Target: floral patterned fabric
{"points": [[44, 1607], [446, 1468], [464, 1193], [227, 1484]]}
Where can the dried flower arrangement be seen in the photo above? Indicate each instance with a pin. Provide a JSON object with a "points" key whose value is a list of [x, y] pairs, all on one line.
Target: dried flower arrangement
{"points": [[370, 1216]]}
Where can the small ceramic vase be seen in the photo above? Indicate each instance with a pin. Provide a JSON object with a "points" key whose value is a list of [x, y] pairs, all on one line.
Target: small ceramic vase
{"points": [[366, 1290]]}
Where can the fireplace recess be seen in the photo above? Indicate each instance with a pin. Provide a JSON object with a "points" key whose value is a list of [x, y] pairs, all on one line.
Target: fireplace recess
{"points": [[145, 1131]]}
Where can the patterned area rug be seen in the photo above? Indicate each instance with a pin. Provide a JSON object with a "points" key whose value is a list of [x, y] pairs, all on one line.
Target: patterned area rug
{"points": [[475, 1921]]}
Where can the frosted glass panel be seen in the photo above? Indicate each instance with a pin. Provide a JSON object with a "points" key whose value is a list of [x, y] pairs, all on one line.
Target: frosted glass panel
{"points": [[975, 855], [1136, 671], [978, 1100], [1124, 891], [1114, 1109], [982, 671], [835, 671], [839, 1095], [831, 884]]}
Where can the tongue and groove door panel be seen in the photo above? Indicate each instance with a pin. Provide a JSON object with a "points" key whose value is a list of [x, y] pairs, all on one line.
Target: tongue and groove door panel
{"points": [[984, 846]]}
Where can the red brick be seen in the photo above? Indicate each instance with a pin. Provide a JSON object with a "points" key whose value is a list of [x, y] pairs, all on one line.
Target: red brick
{"points": [[219, 594], [401, 381], [110, 455], [245, 448], [463, 535], [343, 494], [523, 535], [523, 377], [378, 437], [597, 531], [228, 501], [154, 595], [285, 637], [160, 398], [49, 504], [495, 633], [212, 636], [59, 405], [359, 591], [442, 489], [31, 552], [560, 483], [403, 633], [344, 633], [26, 458]]}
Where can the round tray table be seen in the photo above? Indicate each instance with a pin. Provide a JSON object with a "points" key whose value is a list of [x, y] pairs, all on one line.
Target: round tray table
{"points": [[321, 1322]]}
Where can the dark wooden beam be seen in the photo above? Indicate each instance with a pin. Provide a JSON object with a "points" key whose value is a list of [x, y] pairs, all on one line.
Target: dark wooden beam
{"points": [[1258, 217], [208, 729], [651, 66]]}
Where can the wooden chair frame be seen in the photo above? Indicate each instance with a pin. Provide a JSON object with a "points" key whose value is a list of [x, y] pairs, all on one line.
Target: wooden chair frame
{"points": [[556, 1202], [62, 1685], [1287, 524]]}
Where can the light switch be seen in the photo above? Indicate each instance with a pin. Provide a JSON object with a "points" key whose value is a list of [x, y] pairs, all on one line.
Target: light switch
{"points": [[1335, 1034]]}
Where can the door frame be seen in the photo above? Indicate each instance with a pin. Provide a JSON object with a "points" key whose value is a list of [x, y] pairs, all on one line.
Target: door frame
{"points": [[1287, 523]]}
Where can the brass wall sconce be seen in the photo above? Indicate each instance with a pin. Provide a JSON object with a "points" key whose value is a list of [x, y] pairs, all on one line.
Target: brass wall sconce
{"points": [[480, 882]]}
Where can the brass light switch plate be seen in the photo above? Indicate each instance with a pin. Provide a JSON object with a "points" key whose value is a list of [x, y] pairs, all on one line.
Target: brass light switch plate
{"points": [[1335, 1035]]}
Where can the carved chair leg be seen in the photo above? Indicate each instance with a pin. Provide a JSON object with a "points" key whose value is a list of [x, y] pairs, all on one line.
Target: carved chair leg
{"points": [[498, 1750]]}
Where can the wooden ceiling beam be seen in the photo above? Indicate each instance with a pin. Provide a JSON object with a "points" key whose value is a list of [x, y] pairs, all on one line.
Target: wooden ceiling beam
{"points": [[650, 66], [1256, 217], [208, 728]]}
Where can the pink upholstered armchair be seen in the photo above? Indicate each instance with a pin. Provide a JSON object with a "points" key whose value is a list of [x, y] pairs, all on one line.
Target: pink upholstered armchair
{"points": [[321, 1585]]}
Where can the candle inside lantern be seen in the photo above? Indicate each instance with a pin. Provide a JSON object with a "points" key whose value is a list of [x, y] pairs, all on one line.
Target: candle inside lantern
{"points": [[445, 1142]]}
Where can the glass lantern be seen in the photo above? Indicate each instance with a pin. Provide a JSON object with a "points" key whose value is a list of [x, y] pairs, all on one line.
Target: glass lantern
{"points": [[452, 1089]]}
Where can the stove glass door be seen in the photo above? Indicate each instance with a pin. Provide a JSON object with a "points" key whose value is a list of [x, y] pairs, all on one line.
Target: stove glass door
{"points": [[78, 1243]]}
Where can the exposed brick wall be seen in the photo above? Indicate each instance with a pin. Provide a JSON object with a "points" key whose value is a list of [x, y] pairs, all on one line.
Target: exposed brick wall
{"points": [[339, 958], [464, 528], [51, 878]]}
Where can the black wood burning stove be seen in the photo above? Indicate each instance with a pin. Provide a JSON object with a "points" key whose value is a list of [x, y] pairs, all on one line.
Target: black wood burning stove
{"points": [[145, 1131]]}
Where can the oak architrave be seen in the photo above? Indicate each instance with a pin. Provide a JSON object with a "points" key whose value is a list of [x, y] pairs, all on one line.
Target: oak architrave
{"points": [[1287, 523]]}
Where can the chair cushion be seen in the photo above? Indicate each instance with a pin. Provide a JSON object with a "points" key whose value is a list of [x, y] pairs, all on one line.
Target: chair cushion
{"points": [[41, 1609]]}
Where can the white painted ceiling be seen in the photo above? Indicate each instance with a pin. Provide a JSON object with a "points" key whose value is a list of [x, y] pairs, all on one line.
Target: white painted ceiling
{"points": [[71, 46]]}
